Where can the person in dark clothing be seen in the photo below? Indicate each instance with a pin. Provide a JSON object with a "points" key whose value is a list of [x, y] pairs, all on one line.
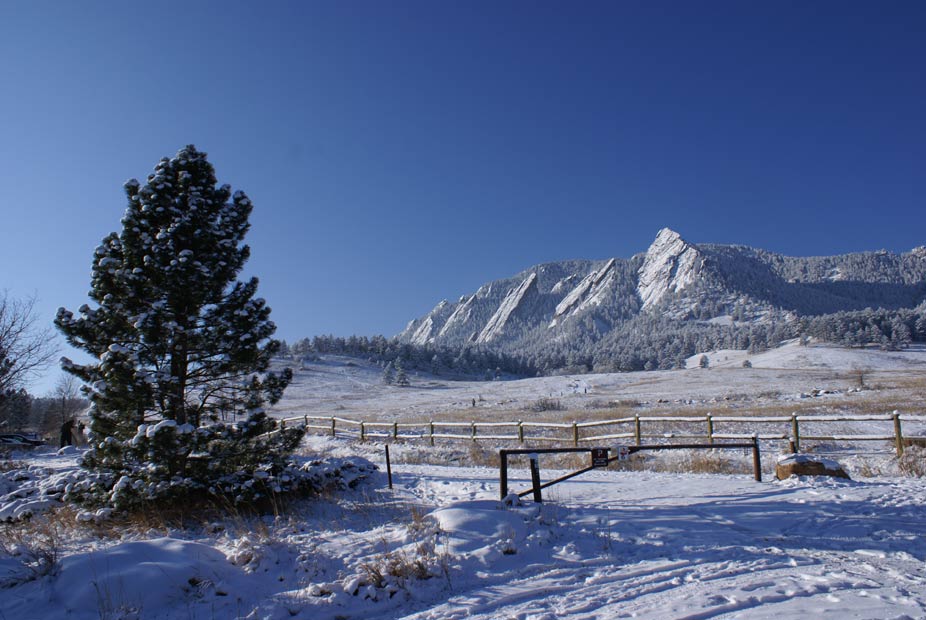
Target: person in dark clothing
{"points": [[67, 433]]}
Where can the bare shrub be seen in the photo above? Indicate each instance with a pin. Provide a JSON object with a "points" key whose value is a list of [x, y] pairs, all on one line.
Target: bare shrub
{"points": [[400, 566], [913, 462], [545, 404], [867, 469], [483, 455]]}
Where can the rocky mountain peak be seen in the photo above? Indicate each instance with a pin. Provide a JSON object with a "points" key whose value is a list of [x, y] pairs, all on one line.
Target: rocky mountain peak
{"points": [[671, 264]]}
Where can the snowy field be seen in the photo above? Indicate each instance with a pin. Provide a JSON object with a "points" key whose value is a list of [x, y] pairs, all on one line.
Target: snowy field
{"points": [[778, 382], [607, 544], [440, 545]]}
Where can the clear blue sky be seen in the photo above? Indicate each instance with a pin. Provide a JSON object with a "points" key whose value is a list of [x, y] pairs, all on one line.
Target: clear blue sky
{"points": [[398, 153]]}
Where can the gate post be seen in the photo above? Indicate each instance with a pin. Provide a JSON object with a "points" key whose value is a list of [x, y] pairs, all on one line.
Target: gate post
{"points": [[503, 474], [535, 477]]}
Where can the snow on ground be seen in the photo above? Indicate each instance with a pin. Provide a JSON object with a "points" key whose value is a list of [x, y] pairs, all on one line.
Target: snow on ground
{"points": [[823, 356], [353, 388], [607, 544]]}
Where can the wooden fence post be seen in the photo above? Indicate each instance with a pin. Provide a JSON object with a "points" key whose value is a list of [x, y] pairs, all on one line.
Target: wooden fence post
{"points": [[898, 435], [362, 432], [333, 431], [636, 429], [395, 430], [756, 459], [388, 466], [575, 434], [795, 433], [431, 431], [473, 434], [520, 431], [710, 429]]}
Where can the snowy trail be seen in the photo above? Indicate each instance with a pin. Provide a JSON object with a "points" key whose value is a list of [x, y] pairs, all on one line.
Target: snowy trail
{"points": [[697, 549]]}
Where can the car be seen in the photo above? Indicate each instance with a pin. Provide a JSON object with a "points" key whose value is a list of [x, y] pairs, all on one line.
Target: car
{"points": [[18, 439]]}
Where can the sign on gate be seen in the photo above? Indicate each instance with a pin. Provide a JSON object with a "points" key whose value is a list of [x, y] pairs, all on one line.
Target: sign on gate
{"points": [[623, 453], [599, 457]]}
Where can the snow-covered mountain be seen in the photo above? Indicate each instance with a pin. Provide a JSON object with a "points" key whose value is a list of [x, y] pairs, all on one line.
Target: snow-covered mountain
{"points": [[674, 279]]}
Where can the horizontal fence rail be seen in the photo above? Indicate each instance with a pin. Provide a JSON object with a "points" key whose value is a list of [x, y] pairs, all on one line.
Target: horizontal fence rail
{"points": [[794, 428]]}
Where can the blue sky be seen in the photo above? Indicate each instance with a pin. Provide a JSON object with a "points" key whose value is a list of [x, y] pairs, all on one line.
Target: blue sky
{"points": [[398, 153]]}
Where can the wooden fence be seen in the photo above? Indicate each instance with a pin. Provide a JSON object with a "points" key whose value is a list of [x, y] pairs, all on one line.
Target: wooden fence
{"points": [[635, 429]]}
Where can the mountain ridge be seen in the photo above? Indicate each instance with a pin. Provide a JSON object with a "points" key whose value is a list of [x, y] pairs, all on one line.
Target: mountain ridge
{"points": [[674, 283]]}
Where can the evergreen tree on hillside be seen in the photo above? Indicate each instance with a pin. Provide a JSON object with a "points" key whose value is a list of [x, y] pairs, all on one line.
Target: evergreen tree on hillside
{"points": [[401, 378], [178, 341], [388, 374]]}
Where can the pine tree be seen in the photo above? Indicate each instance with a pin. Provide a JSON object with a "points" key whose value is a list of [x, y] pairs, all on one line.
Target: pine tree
{"points": [[179, 342], [388, 374], [401, 379]]}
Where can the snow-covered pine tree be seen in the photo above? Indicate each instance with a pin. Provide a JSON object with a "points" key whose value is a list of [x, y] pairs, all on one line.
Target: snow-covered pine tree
{"points": [[179, 342], [388, 374], [401, 378]]}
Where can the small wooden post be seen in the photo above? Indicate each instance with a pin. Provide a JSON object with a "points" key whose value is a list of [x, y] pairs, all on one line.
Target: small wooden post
{"points": [[795, 433], [388, 466], [520, 431], [333, 431], [395, 430], [636, 429], [362, 432], [431, 431], [575, 434], [503, 474], [535, 478], [756, 461], [898, 435], [710, 429], [282, 424], [473, 433], [305, 420]]}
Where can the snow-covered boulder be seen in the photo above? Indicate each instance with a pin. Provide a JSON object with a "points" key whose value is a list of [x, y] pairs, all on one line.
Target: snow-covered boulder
{"points": [[806, 465]]}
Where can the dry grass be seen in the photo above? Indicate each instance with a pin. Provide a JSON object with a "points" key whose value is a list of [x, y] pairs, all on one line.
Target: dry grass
{"points": [[913, 462], [37, 543]]}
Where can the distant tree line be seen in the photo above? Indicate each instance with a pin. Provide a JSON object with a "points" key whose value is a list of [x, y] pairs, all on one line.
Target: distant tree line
{"points": [[467, 361], [21, 411], [889, 329]]}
